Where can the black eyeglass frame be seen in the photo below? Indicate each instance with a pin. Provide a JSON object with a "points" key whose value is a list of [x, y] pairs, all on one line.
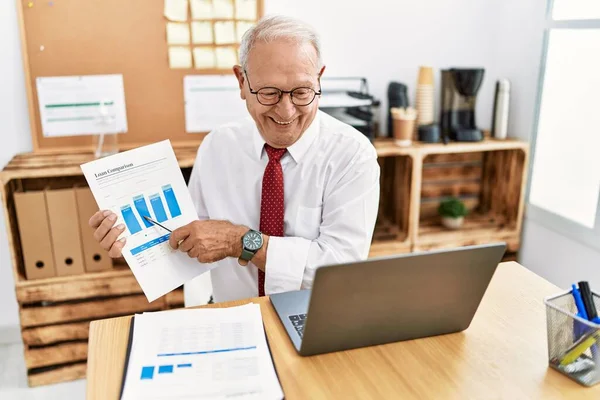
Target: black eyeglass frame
{"points": [[282, 92]]}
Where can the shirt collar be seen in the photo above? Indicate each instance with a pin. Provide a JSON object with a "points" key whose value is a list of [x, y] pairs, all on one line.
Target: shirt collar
{"points": [[298, 149]]}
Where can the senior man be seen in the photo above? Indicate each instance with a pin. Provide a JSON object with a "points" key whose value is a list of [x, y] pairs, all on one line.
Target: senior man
{"points": [[284, 192]]}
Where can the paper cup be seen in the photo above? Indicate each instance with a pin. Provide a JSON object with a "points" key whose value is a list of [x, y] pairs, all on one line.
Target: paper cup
{"points": [[403, 131]]}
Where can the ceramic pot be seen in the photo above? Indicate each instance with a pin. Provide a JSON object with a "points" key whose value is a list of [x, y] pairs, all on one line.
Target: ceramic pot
{"points": [[452, 223]]}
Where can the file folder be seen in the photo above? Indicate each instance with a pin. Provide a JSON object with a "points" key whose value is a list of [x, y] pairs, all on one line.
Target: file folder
{"points": [[64, 228], [95, 258], [34, 231]]}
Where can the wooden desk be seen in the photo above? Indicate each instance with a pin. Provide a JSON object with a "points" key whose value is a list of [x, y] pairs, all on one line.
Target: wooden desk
{"points": [[501, 356]]}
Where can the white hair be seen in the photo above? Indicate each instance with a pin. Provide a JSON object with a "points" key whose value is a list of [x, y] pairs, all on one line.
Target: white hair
{"points": [[279, 27]]}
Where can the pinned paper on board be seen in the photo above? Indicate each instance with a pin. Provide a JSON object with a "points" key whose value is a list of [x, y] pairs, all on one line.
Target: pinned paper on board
{"points": [[210, 101], [223, 8], [178, 33], [224, 32], [82, 105], [208, 38], [180, 57], [204, 57], [201, 9], [245, 9], [226, 57], [176, 10], [241, 28], [202, 33]]}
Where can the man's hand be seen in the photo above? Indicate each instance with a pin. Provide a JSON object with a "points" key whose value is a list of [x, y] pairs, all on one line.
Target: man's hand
{"points": [[105, 234], [209, 240]]}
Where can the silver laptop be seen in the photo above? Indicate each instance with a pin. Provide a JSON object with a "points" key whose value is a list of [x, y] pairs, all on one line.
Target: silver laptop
{"points": [[388, 299]]}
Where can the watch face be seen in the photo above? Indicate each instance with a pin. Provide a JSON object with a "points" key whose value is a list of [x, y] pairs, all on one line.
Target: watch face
{"points": [[252, 241]]}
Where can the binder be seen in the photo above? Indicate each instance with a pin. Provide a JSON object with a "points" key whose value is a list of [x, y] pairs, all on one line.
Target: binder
{"points": [[95, 258], [64, 228], [34, 231]]}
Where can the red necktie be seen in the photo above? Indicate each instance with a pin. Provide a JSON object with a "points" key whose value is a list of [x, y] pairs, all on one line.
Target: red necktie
{"points": [[271, 205]]}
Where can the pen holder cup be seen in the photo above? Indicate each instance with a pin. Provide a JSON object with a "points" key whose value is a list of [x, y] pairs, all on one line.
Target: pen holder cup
{"points": [[573, 342]]}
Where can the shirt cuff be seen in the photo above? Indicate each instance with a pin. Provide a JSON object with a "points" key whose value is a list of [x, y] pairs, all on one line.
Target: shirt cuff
{"points": [[286, 260]]}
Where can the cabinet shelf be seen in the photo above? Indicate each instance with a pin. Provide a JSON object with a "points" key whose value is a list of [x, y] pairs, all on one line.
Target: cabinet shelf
{"points": [[55, 312]]}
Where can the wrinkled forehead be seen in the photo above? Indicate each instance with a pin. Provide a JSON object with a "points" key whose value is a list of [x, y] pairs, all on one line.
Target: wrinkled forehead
{"points": [[282, 59]]}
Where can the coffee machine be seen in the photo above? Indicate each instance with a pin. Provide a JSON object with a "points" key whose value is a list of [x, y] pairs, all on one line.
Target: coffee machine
{"points": [[459, 96]]}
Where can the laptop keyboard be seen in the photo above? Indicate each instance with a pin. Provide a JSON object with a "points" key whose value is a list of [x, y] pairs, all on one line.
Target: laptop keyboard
{"points": [[298, 322]]}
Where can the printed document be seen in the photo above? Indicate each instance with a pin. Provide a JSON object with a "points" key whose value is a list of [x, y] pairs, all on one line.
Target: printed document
{"points": [[211, 353], [82, 105], [211, 101], [147, 181]]}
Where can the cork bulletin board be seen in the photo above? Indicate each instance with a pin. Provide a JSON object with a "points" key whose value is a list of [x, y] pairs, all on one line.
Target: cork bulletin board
{"points": [[130, 37]]}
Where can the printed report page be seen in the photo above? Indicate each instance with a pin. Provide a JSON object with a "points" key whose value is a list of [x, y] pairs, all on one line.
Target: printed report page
{"points": [[218, 353], [147, 181]]}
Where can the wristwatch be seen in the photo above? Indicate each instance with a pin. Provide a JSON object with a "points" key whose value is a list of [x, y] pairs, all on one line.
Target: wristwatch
{"points": [[252, 241]]}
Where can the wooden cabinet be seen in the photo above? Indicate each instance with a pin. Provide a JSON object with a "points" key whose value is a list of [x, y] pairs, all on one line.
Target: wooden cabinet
{"points": [[55, 312]]}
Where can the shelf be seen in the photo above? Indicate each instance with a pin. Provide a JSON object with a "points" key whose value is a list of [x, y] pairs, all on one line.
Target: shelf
{"points": [[46, 165], [477, 228], [386, 147]]}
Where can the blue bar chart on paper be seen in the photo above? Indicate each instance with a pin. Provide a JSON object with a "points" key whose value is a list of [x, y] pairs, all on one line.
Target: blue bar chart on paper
{"points": [[142, 209], [148, 371], [130, 219], [171, 201], [147, 191], [158, 208]]}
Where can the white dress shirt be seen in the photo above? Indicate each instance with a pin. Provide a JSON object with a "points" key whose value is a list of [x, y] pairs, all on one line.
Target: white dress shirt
{"points": [[331, 197]]}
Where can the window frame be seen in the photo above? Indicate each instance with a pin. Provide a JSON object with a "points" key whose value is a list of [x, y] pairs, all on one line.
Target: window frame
{"points": [[564, 226]]}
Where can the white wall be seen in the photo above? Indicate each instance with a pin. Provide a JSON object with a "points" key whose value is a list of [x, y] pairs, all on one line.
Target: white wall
{"points": [[559, 259], [15, 138]]}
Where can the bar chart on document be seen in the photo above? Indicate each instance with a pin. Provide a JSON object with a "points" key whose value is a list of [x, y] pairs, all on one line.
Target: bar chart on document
{"points": [[147, 182], [201, 354], [150, 203]]}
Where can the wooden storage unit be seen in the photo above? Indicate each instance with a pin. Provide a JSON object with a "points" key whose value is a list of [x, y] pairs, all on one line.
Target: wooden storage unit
{"points": [[55, 312], [489, 176]]}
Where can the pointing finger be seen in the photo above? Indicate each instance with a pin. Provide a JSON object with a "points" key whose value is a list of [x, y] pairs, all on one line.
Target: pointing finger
{"points": [[178, 235]]}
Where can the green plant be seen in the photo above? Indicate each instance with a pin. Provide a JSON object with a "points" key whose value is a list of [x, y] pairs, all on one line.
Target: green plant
{"points": [[453, 208]]}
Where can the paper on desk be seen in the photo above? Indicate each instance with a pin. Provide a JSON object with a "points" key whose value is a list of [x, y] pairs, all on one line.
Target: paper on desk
{"points": [[176, 10], [211, 101], [147, 181], [82, 105], [199, 354], [178, 33], [180, 57]]}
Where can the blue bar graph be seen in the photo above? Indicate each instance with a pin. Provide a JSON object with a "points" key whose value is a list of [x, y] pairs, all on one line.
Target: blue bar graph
{"points": [[130, 220], [147, 373], [142, 209], [171, 201], [165, 369], [157, 206], [184, 365]]}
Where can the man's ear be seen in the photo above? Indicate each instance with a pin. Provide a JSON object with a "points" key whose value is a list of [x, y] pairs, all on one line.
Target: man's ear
{"points": [[239, 74], [322, 70]]}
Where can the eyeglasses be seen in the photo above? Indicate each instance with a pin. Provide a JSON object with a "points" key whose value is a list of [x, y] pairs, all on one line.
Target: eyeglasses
{"points": [[269, 96]]}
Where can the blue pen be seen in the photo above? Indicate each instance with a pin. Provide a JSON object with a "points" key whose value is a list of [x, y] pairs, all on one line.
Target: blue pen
{"points": [[579, 303], [579, 328]]}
